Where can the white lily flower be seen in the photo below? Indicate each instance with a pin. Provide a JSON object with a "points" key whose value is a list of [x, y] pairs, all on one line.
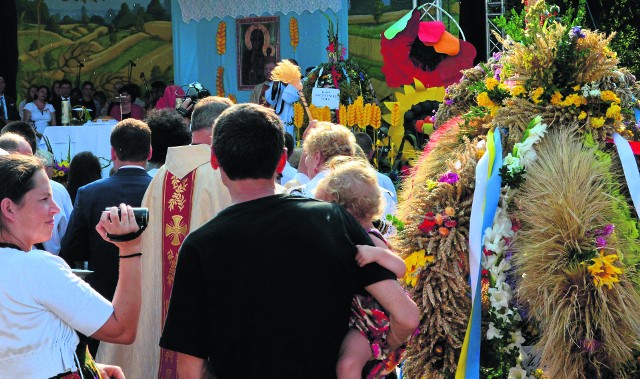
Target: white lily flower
{"points": [[517, 373], [499, 299], [493, 332]]}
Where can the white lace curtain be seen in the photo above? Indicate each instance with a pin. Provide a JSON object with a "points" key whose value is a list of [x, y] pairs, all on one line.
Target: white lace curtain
{"points": [[208, 9]]}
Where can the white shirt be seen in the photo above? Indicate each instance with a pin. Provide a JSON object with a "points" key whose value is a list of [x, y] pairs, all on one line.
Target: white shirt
{"points": [[288, 173], [41, 303], [61, 220]]}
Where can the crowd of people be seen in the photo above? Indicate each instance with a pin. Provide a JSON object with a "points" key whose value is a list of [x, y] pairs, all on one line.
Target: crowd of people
{"points": [[281, 272]]}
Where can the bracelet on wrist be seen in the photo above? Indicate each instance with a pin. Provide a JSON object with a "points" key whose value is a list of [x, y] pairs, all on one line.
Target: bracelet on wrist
{"points": [[129, 256]]}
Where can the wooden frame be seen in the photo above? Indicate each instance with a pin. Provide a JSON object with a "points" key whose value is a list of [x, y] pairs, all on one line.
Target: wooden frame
{"points": [[258, 40]]}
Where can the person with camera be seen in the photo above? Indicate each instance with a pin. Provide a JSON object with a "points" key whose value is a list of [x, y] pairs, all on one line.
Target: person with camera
{"points": [[130, 150], [127, 108], [42, 303]]}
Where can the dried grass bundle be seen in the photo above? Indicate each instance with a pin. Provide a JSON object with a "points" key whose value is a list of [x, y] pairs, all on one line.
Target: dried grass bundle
{"points": [[442, 290], [587, 331], [287, 72], [599, 60], [428, 167]]}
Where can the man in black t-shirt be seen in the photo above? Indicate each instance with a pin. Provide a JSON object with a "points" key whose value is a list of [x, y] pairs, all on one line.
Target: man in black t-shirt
{"points": [[263, 290]]}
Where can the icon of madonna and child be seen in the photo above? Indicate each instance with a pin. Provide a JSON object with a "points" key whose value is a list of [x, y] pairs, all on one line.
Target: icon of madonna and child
{"points": [[257, 47]]}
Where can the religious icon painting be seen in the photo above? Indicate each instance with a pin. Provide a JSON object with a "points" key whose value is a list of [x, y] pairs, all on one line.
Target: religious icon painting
{"points": [[258, 44]]}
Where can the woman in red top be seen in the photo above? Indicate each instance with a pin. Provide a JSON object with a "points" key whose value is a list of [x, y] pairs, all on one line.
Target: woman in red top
{"points": [[126, 108]]}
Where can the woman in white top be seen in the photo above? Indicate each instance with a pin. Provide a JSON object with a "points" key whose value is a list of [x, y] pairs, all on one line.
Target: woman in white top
{"points": [[32, 95], [39, 112], [42, 303]]}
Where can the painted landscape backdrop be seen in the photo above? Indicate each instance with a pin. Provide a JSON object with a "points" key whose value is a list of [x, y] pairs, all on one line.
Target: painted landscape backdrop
{"points": [[55, 37]]}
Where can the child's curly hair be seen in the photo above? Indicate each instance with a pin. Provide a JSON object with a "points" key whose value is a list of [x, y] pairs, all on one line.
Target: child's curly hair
{"points": [[353, 184], [330, 140]]}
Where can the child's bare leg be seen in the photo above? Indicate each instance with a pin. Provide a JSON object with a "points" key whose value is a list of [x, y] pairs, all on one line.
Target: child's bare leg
{"points": [[354, 354]]}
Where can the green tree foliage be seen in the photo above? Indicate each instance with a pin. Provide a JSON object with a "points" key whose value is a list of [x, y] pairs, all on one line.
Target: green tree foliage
{"points": [[84, 17], [34, 45], [124, 19], [53, 25], [156, 11], [48, 60]]}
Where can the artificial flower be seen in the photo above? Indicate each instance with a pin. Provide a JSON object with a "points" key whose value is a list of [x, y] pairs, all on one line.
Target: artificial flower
{"points": [[493, 332], [582, 115], [610, 96], [517, 90], [449, 177], [449, 211], [597, 122], [517, 373], [614, 112], [499, 298], [556, 98], [484, 100], [491, 83], [603, 271]]}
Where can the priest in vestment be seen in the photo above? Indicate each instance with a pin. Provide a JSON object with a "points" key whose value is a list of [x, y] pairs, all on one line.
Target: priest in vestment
{"points": [[184, 194]]}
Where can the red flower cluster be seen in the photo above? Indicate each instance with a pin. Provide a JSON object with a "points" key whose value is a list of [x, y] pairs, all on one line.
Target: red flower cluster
{"points": [[443, 221]]}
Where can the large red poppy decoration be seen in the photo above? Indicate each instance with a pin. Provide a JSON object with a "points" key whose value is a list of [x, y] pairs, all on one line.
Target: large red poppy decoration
{"points": [[423, 50]]}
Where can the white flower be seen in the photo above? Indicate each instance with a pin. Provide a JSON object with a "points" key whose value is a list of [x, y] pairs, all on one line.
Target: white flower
{"points": [[499, 299], [489, 260], [594, 93], [493, 332], [516, 340], [511, 162], [517, 373], [537, 132], [527, 157]]}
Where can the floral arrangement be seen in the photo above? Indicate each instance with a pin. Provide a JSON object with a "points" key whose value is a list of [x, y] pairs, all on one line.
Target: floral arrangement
{"points": [[558, 296], [61, 171], [221, 38]]}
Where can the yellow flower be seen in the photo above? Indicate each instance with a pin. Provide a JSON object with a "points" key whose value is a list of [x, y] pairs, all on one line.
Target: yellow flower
{"points": [[597, 122], [573, 99], [491, 83], [556, 98], [517, 90], [415, 260], [576, 88], [535, 95], [609, 96], [603, 271], [582, 115], [484, 100], [449, 211], [614, 112]]}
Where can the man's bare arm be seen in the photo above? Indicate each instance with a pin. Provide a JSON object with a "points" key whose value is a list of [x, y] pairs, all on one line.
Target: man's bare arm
{"points": [[190, 367], [403, 312]]}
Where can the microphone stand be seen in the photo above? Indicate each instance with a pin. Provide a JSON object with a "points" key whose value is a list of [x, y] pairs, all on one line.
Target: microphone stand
{"points": [[131, 64], [80, 66]]}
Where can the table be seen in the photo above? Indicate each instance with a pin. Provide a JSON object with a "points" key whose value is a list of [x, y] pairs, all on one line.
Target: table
{"points": [[75, 139]]}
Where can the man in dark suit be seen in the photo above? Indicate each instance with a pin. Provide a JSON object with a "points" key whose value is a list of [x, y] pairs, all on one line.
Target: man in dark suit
{"points": [[56, 101], [8, 109], [130, 150]]}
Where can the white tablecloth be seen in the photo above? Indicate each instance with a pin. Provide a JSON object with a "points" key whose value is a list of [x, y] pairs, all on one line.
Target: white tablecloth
{"points": [[93, 138]]}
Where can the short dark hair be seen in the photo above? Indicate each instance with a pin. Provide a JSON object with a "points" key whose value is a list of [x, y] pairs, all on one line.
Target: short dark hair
{"points": [[364, 141], [24, 129], [207, 111], [289, 144], [248, 141], [131, 139], [131, 89], [65, 81], [16, 176], [84, 169], [85, 83], [167, 129]]}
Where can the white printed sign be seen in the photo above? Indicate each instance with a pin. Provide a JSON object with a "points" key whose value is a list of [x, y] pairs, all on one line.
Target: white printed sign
{"points": [[326, 97]]}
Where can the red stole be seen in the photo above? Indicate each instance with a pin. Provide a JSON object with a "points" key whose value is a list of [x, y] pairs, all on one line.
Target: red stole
{"points": [[177, 198]]}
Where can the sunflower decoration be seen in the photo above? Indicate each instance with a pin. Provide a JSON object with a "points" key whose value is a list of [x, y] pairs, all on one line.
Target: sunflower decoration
{"points": [[411, 118]]}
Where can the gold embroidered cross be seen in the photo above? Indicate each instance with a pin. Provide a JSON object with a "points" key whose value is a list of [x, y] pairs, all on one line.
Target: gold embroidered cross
{"points": [[175, 229]]}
